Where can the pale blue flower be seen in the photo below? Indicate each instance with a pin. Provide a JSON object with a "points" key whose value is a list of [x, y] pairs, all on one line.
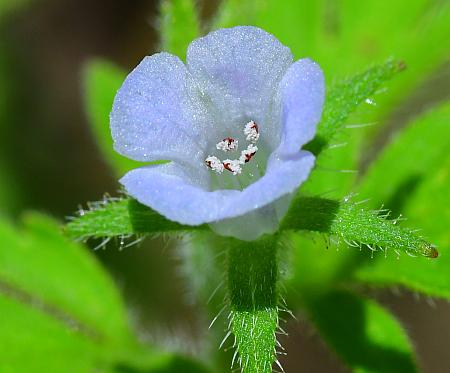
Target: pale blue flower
{"points": [[167, 110]]}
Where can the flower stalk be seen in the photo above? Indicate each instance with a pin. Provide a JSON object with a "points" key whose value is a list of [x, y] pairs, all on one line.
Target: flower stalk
{"points": [[253, 295]]}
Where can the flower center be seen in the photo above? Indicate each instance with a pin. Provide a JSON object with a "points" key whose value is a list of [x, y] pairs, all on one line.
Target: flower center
{"points": [[251, 131]]}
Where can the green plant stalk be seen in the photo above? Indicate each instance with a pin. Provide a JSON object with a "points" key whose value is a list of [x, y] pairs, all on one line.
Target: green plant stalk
{"points": [[253, 295]]}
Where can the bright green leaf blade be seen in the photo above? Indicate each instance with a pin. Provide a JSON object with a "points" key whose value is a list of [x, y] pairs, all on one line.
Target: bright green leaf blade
{"points": [[417, 164], [39, 261], [36, 339], [61, 312], [408, 160], [101, 82], [31, 341], [343, 98], [179, 26], [363, 334]]}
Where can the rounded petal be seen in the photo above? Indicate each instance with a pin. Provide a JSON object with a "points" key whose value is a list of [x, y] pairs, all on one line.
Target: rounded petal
{"points": [[172, 190], [238, 70], [302, 92], [157, 114]]}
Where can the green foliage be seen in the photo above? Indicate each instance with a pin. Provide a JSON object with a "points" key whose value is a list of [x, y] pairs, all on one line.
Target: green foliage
{"points": [[342, 37], [367, 337], [101, 82], [410, 159], [59, 303], [419, 186], [343, 98], [82, 290], [179, 25]]}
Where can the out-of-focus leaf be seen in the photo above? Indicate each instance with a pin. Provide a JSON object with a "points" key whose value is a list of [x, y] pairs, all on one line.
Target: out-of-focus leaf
{"points": [[32, 341], [179, 25], [60, 312], [411, 157], [417, 165], [101, 82], [39, 261], [363, 334]]}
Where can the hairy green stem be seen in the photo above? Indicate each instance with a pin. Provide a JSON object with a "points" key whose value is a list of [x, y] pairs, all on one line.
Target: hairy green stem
{"points": [[252, 286]]}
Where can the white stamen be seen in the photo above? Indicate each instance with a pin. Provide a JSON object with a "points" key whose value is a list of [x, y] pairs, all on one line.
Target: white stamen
{"points": [[247, 154], [227, 144], [233, 165], [214, 164], [251, 131]]}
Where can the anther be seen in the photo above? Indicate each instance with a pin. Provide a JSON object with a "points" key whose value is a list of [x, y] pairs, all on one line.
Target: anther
{"points": [[247, 154], [232, 165], [252, 131], [227, 144], [214, 164]]}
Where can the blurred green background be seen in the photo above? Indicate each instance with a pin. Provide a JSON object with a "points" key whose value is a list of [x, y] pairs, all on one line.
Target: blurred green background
{"points": [[50, 162]]}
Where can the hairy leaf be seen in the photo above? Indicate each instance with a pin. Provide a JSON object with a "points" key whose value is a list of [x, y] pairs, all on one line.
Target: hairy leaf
{"points": [[179, 25], [363, 334]]}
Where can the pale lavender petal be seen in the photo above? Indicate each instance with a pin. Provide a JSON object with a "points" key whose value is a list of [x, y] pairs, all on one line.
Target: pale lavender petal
{"points": [[238, 70], [302, 93], [174, 192], [157, 113]]}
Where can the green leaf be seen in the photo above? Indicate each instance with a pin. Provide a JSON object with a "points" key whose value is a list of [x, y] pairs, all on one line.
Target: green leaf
{"points": [[411, 157], [61, 310], [354, 225], [179, 25], [363, 334], [122, 217], [101, 82], [31, 341], [417, 164], [39, 261], [252, 286], [343, 98]]}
